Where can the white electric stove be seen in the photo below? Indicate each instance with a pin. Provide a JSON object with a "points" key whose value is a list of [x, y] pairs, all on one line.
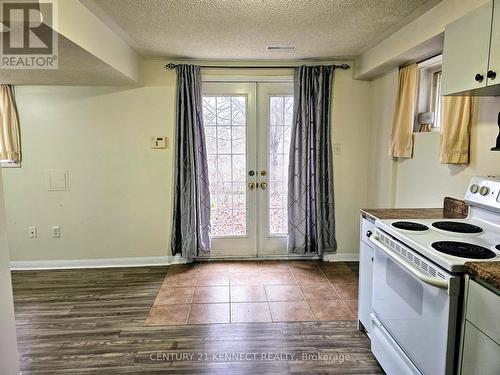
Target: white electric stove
{"points": [[472, 240], [417, 281]]}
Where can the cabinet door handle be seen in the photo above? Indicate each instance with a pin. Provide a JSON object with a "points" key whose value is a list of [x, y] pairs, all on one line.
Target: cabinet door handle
{"points": [[491, 74], [479, 77]]}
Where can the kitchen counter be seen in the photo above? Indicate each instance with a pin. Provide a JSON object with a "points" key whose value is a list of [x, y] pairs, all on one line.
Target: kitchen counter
{"points": [[486, 272], [411, 213], [453, 209], [403, 213]]}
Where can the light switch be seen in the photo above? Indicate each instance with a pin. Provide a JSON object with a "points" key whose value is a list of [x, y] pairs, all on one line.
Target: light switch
{"points": [[158, 142], [57, 180]]}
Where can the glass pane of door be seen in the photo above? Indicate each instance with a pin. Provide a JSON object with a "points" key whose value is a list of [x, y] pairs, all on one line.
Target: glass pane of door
{"points": [[280, 123], [275, 123], [224, 119]]}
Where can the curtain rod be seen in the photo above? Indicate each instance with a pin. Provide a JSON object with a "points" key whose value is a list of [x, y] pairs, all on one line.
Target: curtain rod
{"points": [[173, 66]]}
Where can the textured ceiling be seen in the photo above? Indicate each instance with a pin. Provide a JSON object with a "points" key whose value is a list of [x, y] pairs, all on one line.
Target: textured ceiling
{"points": [[76, 67], [242, 29]]}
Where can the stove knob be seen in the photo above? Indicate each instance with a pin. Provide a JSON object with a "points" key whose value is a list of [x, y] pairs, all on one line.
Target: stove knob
{"points": [[484, 190], [474, 188]]}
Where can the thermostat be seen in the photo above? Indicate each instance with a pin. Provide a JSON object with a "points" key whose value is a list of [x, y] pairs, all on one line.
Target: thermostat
{"points": [[159, 142]]}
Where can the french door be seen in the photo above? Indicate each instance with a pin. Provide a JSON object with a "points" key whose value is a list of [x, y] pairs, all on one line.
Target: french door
{"points": [[247, 128]]}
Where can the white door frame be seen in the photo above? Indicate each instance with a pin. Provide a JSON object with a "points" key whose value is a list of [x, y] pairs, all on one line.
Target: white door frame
{"points": [[258, 243]]}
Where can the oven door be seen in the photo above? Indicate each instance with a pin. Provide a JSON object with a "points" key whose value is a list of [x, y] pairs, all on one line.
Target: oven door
{"points": [[416, 304]]}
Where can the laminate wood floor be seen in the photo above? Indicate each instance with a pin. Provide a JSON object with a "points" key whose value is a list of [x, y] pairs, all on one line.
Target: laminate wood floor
{"points": [[91, 321]]}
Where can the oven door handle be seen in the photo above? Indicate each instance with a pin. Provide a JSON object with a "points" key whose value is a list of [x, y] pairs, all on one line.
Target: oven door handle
{"points": [[434, 281]]}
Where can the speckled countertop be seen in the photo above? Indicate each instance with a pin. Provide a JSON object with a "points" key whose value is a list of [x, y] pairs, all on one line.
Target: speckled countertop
{"points": [[487, 272], [452, 209], [410, 213]]}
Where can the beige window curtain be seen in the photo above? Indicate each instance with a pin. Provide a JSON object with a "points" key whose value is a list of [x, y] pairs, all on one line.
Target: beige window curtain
{"points": [[10, 139], [458, 113], [402, 123]]}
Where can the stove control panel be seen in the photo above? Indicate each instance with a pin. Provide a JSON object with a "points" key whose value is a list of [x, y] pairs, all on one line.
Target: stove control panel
{"points": [[484, 192]]}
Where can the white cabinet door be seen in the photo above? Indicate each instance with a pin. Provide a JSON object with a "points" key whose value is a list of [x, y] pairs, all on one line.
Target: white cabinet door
{"points": [[365, 285], [483, 310], [493, 75], [481, 355], [466, 51]]}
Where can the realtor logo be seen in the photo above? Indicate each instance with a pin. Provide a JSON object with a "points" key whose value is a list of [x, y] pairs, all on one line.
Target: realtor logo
{"points": [[28, 39]]}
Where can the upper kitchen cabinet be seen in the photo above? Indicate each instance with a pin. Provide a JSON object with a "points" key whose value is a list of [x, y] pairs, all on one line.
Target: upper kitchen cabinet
{"points": [[494, 63], [467, 52]]}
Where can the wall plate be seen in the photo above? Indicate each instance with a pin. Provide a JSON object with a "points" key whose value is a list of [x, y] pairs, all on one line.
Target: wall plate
{"points": [[57, 180], [158, 142]]}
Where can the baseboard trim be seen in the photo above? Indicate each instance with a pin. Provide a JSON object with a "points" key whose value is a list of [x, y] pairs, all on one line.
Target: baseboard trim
{"points": [[343, 257], [25, 265], [94, 263]]}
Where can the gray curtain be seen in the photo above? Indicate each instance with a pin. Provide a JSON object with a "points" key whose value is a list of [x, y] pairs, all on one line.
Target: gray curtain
{"points": [[191, 221], [311, 216]]}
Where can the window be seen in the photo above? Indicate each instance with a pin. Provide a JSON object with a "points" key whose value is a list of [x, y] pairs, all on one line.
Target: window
{"points": [[436, 98], [428, 116], [10, 141]]}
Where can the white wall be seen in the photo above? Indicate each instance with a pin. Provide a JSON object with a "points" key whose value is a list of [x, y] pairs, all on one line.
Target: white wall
{"points": [[9, 360], [119, 202], [382, 171], [351, 121], [422, 181], [120, 199], [82, 27]]}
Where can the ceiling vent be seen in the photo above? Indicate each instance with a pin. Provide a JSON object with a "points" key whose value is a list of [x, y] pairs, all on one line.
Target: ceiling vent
{"points": [[281, 48]]}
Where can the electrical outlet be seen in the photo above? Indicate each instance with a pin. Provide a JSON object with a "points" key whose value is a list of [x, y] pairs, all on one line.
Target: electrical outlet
{"points": [[56, 231], [32, 232]]}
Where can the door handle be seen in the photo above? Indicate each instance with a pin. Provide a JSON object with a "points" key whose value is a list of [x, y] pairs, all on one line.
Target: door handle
{"points": [[263, 185]]}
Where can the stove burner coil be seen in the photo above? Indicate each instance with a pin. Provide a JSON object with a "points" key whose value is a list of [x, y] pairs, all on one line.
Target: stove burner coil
{"points": [[410, 225], [463, 250], [456, 227]]}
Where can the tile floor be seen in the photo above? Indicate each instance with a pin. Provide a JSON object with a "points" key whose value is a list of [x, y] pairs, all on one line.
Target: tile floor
{"points": [[256, 291]]}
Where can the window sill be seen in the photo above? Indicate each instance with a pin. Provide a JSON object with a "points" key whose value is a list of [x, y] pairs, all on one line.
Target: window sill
{"points": [[437, 131], [9, 164]]}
